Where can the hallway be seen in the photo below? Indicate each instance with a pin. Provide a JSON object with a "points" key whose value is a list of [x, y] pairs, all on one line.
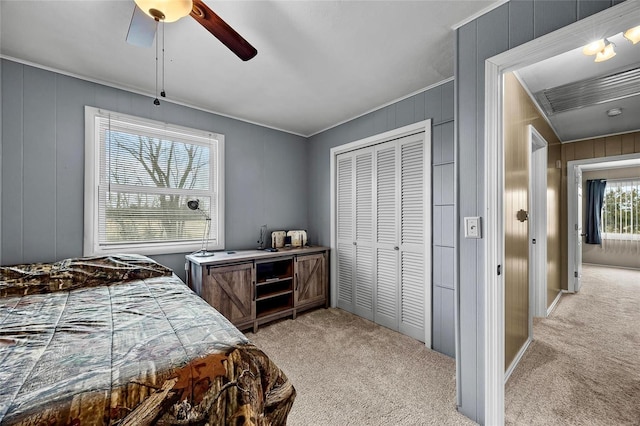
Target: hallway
{"points": [[583, 366]]}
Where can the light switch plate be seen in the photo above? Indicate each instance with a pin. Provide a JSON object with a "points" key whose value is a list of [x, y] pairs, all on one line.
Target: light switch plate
{"points": [[472, 227]]}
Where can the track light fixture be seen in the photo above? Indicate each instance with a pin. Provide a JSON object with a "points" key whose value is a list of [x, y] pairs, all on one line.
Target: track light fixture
{"points": [[604, 50], [607, 52], [633, 34]]}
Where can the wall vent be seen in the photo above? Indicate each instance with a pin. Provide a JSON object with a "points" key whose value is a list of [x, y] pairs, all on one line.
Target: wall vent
{"points": [[593, 91]]}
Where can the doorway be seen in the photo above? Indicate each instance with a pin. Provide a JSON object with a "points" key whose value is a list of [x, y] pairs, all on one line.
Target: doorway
{"points": [[575, 217], [570, 37]]}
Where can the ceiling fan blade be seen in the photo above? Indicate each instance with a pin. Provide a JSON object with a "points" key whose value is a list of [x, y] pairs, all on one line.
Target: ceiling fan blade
{"points": [[142, 29], [223, 32]]}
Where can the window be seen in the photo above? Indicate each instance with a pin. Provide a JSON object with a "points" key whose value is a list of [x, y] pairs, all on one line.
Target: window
{"points": [[139, 176], [621, 210]]}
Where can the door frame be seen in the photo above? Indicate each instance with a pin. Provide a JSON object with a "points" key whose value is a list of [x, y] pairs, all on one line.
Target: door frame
{"points": [[573, 270], [564, 39], [421, 126], [572, 200], [538, 226]]}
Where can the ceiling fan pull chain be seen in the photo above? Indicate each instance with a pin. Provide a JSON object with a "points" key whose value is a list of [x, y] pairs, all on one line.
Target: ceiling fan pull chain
{"points": [[162, 93], [156, 102]]}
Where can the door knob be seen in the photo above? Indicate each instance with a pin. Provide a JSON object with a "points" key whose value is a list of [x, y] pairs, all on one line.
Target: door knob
{"points": [[522, 215], [396, 248]]}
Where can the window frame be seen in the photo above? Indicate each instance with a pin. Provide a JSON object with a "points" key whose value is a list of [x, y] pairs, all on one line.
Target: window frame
{"points": [[91, 240], [620, 236]]}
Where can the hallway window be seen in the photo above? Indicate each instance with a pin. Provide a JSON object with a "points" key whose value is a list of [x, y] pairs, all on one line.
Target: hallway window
{"points": [[621, 210]]}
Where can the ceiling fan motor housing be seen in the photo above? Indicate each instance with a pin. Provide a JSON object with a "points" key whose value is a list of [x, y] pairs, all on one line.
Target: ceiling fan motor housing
{"points": [[165, 10]]}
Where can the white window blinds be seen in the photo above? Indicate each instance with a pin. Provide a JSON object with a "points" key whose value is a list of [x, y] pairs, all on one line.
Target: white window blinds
{"points": [[144, 173]]}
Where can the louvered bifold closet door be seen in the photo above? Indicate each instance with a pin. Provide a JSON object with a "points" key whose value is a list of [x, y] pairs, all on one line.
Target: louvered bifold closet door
{"points": [[413, 199], [345, 230], [364, 233], [383, 197], [386, 294]]}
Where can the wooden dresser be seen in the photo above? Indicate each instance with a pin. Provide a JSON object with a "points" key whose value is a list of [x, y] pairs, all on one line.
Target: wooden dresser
{"points": [[253, 287]]}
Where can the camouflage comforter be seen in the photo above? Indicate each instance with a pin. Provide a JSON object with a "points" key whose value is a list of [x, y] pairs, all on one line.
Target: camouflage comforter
{"points": [[121, 340]]}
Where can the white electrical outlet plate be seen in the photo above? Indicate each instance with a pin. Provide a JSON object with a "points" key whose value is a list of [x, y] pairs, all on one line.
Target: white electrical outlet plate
{"points": [[472, 228]]}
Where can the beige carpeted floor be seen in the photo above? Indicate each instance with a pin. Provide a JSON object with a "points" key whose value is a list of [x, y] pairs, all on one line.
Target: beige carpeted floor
{"points": [[349, 371], [583, 367]]}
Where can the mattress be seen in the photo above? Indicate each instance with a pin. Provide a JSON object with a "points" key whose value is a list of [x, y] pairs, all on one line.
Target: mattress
{"points": [[122, 340]]}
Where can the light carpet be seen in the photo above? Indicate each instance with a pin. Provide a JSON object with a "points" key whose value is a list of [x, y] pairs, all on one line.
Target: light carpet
{"points": [[583, 367], [350, 371]]}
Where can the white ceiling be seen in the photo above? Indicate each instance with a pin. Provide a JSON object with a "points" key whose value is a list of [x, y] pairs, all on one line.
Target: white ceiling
{"points": [[319, 62], [573, 66]]}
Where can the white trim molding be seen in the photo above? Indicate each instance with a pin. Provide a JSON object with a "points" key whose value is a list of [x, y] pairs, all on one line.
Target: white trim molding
{"points": [[516, 359], [538, 224], [555, 302]]}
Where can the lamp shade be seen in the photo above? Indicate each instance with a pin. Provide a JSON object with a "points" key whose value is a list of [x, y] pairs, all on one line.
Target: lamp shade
{"points": [[166, 10], [593, 48], [193, 204], [633, 34], [606, 53]]}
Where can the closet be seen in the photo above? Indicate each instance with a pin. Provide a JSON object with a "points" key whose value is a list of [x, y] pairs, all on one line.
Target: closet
{"points": [[383, 234]]}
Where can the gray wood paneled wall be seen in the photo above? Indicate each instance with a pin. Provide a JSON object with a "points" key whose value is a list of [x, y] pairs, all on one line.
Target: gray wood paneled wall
{"points": [[503, 28], [43, 166], [436, 104]]}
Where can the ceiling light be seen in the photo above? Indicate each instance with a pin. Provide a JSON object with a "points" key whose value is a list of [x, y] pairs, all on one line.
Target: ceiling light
{"points": [[606, 53], [593, 48], [614, 112], [633, 34], [166, 10]]}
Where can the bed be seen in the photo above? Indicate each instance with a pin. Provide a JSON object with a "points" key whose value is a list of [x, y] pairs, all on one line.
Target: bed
{"points": [[122, 340]]}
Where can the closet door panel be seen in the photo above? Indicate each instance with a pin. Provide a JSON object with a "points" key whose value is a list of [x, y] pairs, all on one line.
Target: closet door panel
{"points": [[386, 312], [345, 230], [412, 229], [386, 294], [346, 265], [364, 283], [412, 238], [364, 233], [412, 302], [386, 208]]}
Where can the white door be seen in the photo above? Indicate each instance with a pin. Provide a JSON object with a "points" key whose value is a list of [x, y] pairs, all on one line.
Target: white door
{"points": [[402, 289], [537, 226], [415, 288], [578, 229], [363, 268], [355, 232], [387, 248], [344, 230]]}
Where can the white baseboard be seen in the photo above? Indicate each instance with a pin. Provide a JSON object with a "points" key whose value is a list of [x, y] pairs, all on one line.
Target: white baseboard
{"points": [[611, 266], [555, 302], [517, 359]]}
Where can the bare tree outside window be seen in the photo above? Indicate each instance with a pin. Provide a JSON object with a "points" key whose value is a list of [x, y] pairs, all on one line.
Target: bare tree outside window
{"points": [[621, 208], [150, 174]]}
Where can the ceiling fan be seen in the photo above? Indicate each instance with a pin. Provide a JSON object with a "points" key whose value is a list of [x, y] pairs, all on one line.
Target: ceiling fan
{"points": [[148, 13]]}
